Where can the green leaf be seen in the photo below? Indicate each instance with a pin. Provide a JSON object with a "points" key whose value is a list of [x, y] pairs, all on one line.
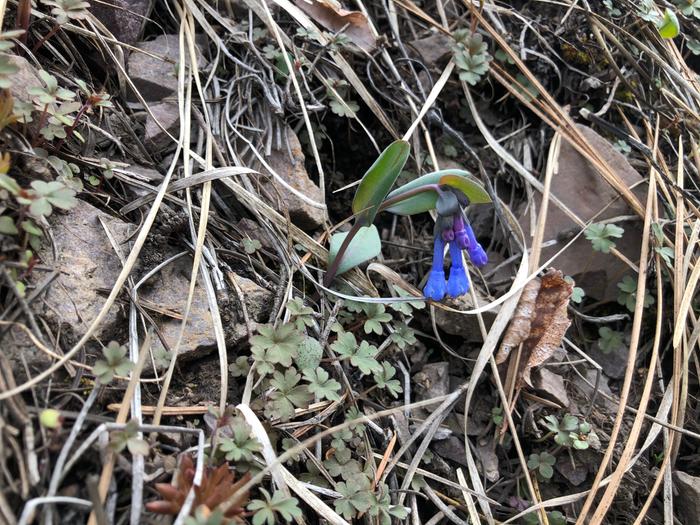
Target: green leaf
{"points": [[384, 379], [322, 385], [250, 246], [266, 511], [376, 315], [7, 226], [669, 26], [427, 200], [289, 394], [600, 235], [364, 246], [378, 180], [610, 340], [241, 445]]}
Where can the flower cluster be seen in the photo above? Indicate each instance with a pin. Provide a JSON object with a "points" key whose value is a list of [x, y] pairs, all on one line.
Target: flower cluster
{"points": [[453, 228]]}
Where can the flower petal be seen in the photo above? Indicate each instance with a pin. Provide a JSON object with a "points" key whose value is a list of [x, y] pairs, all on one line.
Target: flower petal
{"points": [[435, 288]]}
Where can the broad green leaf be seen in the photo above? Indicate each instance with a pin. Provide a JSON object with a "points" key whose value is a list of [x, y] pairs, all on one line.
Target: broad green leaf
{"points": [[422, 202], [668, 26], [365, 246], [378, 180]]}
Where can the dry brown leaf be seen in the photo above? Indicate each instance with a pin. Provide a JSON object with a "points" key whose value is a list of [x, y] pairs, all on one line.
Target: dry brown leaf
{"points": [[519, 327], [549, 324], [539, 323], [331, 15]]}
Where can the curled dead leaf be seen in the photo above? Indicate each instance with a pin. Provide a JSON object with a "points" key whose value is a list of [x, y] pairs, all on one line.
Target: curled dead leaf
{"points": [[331, 15], [519, 327], [545, 320]]}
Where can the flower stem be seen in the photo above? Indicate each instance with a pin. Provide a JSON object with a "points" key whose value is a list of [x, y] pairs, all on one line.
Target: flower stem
{"points": [[333, 269]]}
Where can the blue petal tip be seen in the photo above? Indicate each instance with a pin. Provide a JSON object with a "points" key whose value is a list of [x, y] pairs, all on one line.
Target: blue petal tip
{"points": [[436, 287]]}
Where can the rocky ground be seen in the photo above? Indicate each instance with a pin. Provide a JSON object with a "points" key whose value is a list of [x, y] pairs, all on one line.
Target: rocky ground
{"points": [[171, 177]]}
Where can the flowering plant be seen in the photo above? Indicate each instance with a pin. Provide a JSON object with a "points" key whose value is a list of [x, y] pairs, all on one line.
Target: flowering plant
{"points": [[447, 192]]}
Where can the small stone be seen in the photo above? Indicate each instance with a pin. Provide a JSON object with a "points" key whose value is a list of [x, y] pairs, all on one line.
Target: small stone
{"points": [[451, 449], [293, 171], [88, 268], [258, 300], [166, 293], [688, 502], [579, 186], [124, 18], [26, 77], [432, 381], [551, 385], [168, 114], [614, 363], [155, 77], [465, 326], [573, 474], [489, 461], [603, 388], [434, 48]]}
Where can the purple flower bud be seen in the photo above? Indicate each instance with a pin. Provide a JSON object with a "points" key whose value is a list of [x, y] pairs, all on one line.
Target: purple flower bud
{"points": [[448, 235], [458, 283], [460, 233], [476, 252]]}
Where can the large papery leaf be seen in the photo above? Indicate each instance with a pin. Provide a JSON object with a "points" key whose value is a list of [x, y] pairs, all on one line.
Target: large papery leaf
{"points": [[378, 180], [365, 245], [458, 179]]}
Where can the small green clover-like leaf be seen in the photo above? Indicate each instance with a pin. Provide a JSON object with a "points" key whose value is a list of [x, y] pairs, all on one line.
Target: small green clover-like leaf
{"points": [[275, 346], [266, 511], [376, 315], [600, 236], [241, 445], [301, 315], [128, 439], [383, 509], [577, 293], [405, 307], [690, 8], [354, 413], [51, 92], [691, 43], [250, 246], [403, 336], [340, 439], [240, 367], [563, 429], [8, 226], [114, 363], [666, 253], [65, 10], [362, 357], [45, 195], [471, 57], [622, 146], [627, 296], [342, 464], [343, 108], [385, 379], [610, 340], [356, 497], [542, 463], [497, 415], [322, 385], [345, 345], [288, 394]]}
